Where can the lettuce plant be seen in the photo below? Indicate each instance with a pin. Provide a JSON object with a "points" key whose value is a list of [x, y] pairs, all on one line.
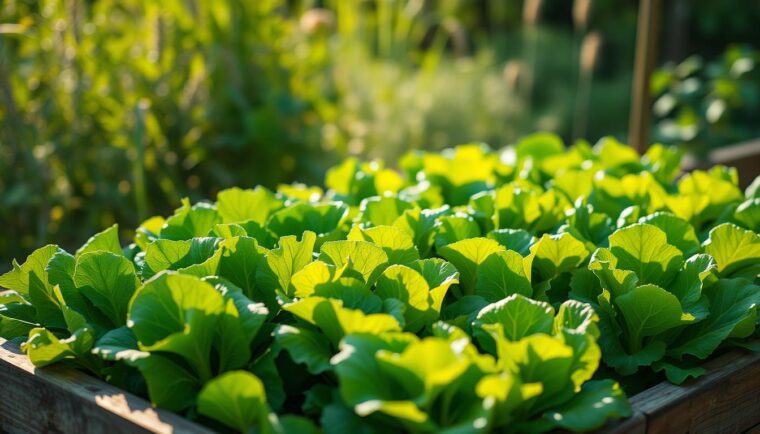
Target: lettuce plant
{"points": [[536, 366], [472, 291], [659, 309]]}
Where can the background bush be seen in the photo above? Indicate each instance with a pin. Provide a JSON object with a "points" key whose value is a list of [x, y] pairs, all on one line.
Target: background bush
{"points": [[114, 110]]}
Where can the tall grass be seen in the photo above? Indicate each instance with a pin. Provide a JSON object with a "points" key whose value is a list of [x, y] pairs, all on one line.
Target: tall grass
{"points": [[113, 110]]}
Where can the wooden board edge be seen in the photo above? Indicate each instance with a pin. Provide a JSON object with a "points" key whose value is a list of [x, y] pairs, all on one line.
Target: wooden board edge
{"points": [[98, 404], [118, 408], [735, 152], [660, 396], [727, 396], [635, 424]]}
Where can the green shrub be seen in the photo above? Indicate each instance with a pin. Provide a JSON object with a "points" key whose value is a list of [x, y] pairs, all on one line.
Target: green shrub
{"points": [[705, 105]]}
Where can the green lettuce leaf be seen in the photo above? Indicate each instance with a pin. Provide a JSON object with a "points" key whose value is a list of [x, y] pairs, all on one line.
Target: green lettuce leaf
{"points": [[236, 399], [502, 274], [467, 256], [236, 205], [452, 228], [366, 259], [176, 255], [107, 240], [108, 281], [178, 314], [382, 210], [736, 251], [679, 233], [513, 239], [397, 244], [731, 301], [190, 221], [273, 274], [30, 280], [324, 220], [336, 321], [597, 402], [305, 346]]}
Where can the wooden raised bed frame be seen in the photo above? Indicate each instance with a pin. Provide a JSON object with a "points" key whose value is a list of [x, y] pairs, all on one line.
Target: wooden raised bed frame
{"points": [[58, 399], [63, 400], [725, 400]]}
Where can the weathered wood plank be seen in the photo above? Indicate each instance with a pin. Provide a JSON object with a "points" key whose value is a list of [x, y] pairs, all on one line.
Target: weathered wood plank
{"points": [[62, 400], [636, 424], [726, 400]]}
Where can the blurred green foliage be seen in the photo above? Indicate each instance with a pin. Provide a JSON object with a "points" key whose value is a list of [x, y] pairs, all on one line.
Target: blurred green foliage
{"points": [[114, 110], [708, 104]]}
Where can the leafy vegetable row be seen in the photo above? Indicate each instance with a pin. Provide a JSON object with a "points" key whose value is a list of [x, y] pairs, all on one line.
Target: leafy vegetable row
{"points": [[471, 291]]}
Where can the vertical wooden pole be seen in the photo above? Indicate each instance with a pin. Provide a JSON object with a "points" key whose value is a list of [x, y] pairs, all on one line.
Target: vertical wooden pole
{"points": [[647, 35]]}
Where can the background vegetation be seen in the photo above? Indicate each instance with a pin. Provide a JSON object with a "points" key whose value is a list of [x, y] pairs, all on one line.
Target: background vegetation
{"points": [[113, 110]]}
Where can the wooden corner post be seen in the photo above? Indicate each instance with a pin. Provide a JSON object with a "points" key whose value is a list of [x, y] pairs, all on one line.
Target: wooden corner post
{"points": [[647, 36]]}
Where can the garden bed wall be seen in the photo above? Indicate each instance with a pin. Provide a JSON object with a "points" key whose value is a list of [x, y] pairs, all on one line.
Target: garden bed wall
{"points": [[725, 400], [59, 399]]}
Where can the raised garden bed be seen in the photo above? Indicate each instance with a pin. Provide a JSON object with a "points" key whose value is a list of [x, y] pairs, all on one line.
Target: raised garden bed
{"points": [[63, 400], [371, 304], [725, 400]]}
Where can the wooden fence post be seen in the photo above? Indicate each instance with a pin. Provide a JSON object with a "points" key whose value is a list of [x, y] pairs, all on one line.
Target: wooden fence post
{"points": [[647, 35]]}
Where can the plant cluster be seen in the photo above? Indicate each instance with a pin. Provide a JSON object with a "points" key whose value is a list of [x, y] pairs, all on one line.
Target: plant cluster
{"points": [[469, 291], [708, 104]]}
